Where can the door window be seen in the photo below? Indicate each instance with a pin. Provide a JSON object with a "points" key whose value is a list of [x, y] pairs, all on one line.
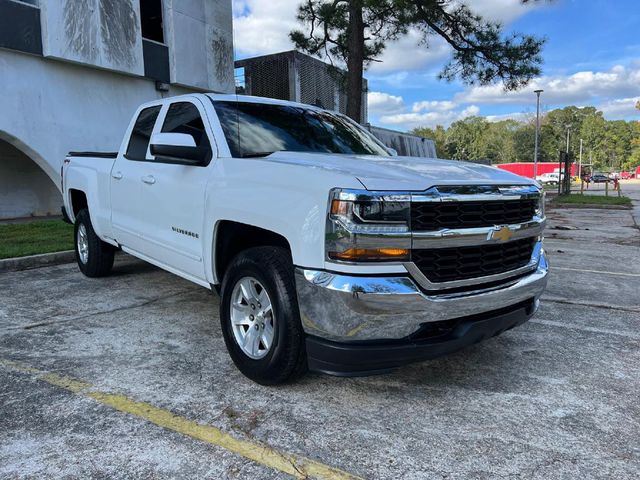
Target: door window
{"points": [[141, 134], [184, 117]]}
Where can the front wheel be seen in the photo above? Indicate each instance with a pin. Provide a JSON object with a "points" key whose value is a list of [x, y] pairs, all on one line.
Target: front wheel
{"points": [[94, 257], [260, 318]]}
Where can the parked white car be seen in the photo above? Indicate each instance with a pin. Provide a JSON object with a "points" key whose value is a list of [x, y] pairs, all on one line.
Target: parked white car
{"points": [[552, 178], [329, 253]]}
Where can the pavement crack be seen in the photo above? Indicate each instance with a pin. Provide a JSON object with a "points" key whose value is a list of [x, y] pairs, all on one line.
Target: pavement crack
{"points": [[55, 320], [601, 331], [606, 306]]}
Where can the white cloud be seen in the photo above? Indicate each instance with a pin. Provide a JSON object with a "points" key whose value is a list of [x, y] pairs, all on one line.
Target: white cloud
{"points": [[620, 108], [579, 87], [384, 104], [262, 27], [435, 105], [517, 116], [503, 11], [408, 53], [411, 120]]}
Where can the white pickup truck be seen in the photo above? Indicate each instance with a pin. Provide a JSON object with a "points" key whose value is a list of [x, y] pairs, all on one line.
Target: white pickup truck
{"points": [[329, 252]]}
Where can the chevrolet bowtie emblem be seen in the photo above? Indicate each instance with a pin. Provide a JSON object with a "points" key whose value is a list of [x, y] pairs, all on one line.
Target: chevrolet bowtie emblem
{"points": [[502, 234]]}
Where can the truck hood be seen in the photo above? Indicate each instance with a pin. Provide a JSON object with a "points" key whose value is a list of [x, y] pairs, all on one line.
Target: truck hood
{"points": [[401, 173]]}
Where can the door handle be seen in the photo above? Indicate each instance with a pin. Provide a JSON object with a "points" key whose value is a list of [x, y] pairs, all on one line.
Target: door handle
{"points": [[148, 179], [117, 175]]}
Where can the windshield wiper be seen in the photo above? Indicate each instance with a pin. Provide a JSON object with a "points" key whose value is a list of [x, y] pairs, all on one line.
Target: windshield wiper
{"points": [[255, 154]]}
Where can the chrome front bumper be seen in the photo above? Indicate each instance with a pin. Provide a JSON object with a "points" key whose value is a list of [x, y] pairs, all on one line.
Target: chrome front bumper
{"points": [[350, 308]]}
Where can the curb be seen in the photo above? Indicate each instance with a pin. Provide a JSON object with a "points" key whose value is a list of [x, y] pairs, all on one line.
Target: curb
{"points": [[554, 204], [36, 261]]}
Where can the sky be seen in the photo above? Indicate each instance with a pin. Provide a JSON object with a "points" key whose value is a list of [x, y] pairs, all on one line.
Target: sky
{"points": [[591, 57]]}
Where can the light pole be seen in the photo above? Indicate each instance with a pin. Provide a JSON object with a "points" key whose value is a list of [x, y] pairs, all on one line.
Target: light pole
{"points": [[535, 155]]}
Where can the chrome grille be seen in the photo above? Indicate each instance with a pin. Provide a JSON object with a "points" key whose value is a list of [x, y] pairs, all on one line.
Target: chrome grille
{"points": [[461, 263], [432, 216]]}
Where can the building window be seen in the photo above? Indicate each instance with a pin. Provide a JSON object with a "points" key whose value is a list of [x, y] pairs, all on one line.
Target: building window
{"points": [[151, 19]]}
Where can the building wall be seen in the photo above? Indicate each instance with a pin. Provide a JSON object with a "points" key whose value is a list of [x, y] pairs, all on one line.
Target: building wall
{"points": [[49, 108], [405, 144], [100, 33], [196, 26], [72, 72], [297, 77], [25, 190]]}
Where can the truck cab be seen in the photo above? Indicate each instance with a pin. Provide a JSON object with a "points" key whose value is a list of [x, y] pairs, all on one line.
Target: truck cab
{"points": [[329, 252]]}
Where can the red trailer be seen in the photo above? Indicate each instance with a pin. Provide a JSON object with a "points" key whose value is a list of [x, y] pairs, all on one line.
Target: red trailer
{"points": [[525, 169]]}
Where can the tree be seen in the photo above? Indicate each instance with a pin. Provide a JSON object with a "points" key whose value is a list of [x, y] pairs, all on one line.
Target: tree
{"points": [[466, 139], [592, 133], [634, 159], [609, 144], [439, 137], [356, 32], [524, 139], [500, 143], [351, 32]]}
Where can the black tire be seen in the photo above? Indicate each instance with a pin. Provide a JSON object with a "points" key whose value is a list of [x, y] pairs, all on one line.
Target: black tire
{"points": [[100, 254], [286, 359]]}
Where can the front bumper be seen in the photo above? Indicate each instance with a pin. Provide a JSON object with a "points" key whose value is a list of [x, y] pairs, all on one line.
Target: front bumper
{"points": [[365, 315]]}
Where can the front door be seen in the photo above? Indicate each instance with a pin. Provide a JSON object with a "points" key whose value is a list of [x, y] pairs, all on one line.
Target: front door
{"points": [[173, 197]]}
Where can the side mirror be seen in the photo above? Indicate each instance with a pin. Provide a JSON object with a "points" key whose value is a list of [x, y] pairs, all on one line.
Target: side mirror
{"points": [[392, 151], [178, 148]]}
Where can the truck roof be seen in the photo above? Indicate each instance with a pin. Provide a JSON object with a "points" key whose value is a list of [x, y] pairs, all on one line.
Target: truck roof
{"points": [[264, 100], [233, 98]]}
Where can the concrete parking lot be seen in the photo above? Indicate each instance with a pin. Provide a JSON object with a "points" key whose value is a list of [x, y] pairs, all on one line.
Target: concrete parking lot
{"points": [[128, 377]]}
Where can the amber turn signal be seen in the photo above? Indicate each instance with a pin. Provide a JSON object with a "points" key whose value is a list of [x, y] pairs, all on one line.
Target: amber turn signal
{"points": [[339, 207], [371, 254]]}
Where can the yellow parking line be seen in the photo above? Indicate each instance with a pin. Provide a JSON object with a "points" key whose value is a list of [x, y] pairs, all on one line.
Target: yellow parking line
{"points": [[290, 463]]}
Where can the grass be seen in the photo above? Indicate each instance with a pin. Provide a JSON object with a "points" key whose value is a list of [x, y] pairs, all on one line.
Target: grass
{"points": [[43, 236], [576, 199]]}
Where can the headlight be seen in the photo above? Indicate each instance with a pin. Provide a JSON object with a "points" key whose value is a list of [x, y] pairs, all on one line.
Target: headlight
{"points": [[368, 226]]}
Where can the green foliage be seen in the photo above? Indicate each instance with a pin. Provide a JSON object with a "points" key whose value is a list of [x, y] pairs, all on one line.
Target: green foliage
{"points": [[481, 52], [611, 145], [438, 135], [39, 236], [328, 23]]}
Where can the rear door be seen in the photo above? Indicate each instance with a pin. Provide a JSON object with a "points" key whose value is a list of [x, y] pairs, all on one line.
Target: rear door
{"points": [[126, 180], [173, 196]]}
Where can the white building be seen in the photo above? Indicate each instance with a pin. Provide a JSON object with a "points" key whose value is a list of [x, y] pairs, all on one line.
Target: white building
{"points": [[72, 72]]}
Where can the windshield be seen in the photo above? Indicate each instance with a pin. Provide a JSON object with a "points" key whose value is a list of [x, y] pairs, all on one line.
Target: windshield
{"points": [[258, 129]]}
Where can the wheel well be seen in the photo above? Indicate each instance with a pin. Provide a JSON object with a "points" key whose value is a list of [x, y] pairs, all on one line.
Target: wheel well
{"points": [[78, 201], [232, 237]]}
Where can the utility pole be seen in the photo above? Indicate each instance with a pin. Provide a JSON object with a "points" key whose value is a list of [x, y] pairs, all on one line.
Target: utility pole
{"points": [[580, 162], [535, 155], [566, 180]]}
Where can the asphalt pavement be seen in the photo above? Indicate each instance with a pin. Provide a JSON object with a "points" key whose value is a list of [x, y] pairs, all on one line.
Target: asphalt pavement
{"points": [[128, 377]]}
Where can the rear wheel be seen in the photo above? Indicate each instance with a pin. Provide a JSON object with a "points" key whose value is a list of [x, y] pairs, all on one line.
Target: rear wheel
{"points": [[260, 318], [94, 257]]}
